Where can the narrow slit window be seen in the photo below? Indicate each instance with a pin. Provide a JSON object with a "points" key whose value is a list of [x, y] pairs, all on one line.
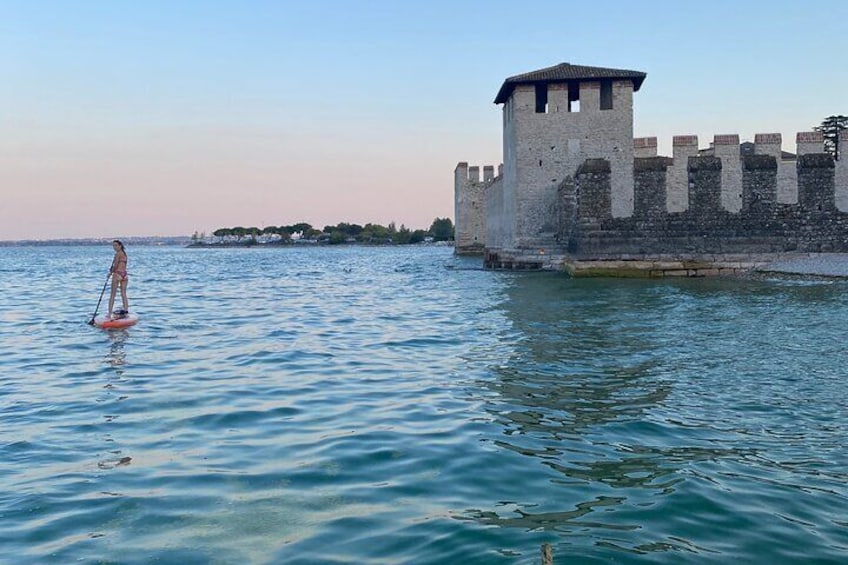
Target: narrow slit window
{"points": [[606, 95], [541, 98]]}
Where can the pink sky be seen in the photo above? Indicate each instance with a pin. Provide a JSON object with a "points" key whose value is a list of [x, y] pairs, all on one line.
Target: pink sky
{"points": [[166, 118], [170, 181]]}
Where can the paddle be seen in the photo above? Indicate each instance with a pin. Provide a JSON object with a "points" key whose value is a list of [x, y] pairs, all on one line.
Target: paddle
{"points": [[96, 308]]}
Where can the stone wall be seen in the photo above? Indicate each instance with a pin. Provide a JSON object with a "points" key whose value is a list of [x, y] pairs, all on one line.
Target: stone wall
{"points": [[470, 207], [541, 149], [841, 173], [760, 223], [498, 222], [576, 187]]}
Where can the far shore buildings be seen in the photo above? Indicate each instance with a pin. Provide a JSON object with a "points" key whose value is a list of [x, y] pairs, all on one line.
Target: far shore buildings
{"points": [[576, 191]]}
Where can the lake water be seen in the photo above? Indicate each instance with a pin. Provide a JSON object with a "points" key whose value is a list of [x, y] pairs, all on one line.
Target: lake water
{"points": [[400, 405]]}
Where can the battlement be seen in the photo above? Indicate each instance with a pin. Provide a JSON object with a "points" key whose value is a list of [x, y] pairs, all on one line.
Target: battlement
{"points": [[726, 140], [806, 142], [684, 141], [645, 147], [809, 137], [471, 174], [768, 139], [644, 142], [577, 184], [469, 205], [814, 222]]}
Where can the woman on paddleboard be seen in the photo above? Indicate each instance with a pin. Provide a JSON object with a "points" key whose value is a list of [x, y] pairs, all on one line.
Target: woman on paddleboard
{"points": [[118, 271]]}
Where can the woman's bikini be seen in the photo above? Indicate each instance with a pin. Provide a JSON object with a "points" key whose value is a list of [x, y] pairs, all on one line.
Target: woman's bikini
{"points": [[117, 269]]}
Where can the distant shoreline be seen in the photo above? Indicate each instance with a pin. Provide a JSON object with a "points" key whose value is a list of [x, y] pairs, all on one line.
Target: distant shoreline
{"points": [[188, 243], [89, 241], [307, 244]]}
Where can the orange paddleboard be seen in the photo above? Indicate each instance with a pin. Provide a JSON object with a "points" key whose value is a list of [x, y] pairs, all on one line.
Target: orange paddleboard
{"points": [[108, 323]]}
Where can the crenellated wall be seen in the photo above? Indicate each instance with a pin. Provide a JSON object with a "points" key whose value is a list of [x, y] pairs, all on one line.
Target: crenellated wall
{"points": [[576, 186], [787, 179], [683, 147], [759, 222], [716, 207], [470, 206]]}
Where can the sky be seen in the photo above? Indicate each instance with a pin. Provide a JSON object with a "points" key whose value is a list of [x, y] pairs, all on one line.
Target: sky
{"points": [[169, 117]]}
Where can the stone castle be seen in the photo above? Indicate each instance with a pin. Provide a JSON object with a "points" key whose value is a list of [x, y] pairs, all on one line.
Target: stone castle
{"points": [[577, 192]]}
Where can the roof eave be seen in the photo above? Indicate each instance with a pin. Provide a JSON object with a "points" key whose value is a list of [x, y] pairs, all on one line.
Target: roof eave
{"points": [[507, 87]]}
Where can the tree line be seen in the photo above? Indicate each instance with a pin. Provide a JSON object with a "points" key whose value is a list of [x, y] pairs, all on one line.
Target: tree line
{"points": [[441, 229]]}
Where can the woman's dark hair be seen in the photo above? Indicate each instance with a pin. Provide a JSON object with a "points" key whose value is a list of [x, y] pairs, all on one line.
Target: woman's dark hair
{"points": [[118, 241]]}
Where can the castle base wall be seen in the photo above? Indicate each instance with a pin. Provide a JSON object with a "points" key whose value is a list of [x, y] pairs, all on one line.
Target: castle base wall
{"points": [[644, 266], [706, 239]]}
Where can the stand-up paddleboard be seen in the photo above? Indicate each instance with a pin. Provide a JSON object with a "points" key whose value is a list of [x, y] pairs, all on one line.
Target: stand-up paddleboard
{"points": [[108, 323]]}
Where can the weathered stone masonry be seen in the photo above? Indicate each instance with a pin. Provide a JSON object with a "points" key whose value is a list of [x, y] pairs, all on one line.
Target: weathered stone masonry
{"points": [[576, 191], [469, 203], [762, 224]]}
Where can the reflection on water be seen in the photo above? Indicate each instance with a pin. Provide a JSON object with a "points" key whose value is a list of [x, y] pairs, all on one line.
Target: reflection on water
{"points": [[117, 356], [628, 393], [363, 405], [575, 368]]}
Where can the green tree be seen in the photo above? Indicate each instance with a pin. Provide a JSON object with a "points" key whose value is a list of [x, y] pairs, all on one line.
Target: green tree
{"points": [[417, 236], [299, 227], [351, 230], [239, 232], [374, 233], [222, 233], [402, 236], [830, 128], [442, 229], [337, 237]]}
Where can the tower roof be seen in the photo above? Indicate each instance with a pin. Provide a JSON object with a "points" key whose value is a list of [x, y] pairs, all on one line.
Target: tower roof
{"points": [[565, 72]]}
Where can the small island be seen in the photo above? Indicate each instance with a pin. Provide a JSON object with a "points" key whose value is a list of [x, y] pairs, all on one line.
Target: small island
{"points": [[441, 232]]}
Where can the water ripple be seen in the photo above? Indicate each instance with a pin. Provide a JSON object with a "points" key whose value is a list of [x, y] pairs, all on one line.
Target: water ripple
{"points": [[388, 405]]}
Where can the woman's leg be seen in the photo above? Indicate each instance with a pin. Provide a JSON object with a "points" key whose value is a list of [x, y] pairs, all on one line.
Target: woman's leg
{"points": [[124, 300], [112, 295]]}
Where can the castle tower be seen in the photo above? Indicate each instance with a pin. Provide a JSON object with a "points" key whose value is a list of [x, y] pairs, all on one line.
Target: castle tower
{"points": [[553, 120], [469, 208]]}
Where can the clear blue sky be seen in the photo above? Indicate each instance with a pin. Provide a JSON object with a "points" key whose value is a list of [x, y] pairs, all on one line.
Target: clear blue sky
{"points": [[166, 117]]}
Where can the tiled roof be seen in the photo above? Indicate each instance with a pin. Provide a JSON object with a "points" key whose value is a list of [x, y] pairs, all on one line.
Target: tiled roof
{"points": [[565, 72]]}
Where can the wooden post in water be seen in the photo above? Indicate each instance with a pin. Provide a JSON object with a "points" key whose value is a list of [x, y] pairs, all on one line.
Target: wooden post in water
{"points": [[547, 554]]}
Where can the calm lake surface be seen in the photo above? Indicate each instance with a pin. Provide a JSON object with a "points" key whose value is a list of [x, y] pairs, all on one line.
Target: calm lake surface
{"points": [[400, 405]]}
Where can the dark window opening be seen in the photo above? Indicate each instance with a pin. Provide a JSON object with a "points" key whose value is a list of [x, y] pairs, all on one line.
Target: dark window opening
{"points": [[606, 94], [541, 98], [573, 96], [540, 162]]}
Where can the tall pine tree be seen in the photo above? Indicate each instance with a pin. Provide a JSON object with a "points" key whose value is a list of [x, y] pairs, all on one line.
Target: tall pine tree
{"points": [[830, 128]]}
